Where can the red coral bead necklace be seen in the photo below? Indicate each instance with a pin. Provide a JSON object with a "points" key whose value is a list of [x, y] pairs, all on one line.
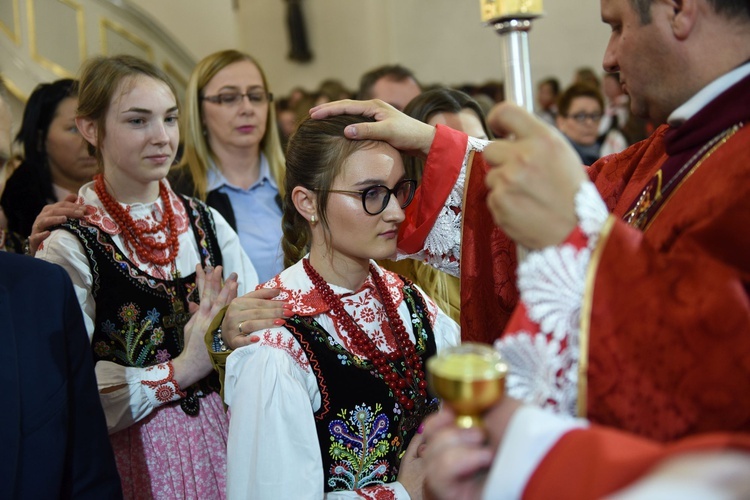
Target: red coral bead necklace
{"points": [[141, 237], [383, 362]]}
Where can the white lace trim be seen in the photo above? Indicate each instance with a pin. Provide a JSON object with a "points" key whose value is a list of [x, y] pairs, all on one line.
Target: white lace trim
{"points": [[442, 247], [591, 211], [541, 371], [551, 282]]}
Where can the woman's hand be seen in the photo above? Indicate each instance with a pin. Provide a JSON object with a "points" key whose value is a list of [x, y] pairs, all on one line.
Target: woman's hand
{"points": [[194, 362], [52, 215], [252, 312], [411, 473], [392, 126]]}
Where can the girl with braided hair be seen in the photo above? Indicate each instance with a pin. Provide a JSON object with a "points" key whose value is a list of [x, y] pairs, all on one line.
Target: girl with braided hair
{"points": [[331, 400]]}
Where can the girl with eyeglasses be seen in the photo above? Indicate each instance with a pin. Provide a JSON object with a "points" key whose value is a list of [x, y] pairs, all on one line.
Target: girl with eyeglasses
{"points": [[332, 399], [232, 153]]}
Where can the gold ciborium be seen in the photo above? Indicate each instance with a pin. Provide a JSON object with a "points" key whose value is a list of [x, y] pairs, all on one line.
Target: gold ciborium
{"points": [[469, 378]]}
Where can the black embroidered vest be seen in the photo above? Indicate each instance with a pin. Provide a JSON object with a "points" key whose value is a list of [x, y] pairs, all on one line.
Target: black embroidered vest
{"points": [[139, 319], [363, 432]]}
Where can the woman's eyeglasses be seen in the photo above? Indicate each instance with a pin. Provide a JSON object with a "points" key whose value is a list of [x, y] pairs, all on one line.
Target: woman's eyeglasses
{"points": [[376, 198], [256, 98], [584, 117]]}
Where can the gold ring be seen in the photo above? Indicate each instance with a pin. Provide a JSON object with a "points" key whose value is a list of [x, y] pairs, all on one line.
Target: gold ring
{"points": [[239, 326]]}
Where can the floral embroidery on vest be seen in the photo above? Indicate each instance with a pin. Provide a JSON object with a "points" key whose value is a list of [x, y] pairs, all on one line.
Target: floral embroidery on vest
{"points": [[133, 339], [359, 445]]}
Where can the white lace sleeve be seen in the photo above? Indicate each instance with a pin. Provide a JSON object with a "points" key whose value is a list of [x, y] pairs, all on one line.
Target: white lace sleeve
{"points": [[442, 247], [551, 281]]}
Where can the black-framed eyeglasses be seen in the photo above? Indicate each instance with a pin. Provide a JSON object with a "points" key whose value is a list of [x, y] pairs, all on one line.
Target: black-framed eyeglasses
{"points": [[256, 98], [376, 198], [583, 117]]}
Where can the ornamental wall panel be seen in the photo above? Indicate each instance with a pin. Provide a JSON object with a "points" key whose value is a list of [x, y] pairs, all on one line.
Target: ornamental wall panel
{"points": [[117, 39], [57, 38], [10, 20], [44, 40]]}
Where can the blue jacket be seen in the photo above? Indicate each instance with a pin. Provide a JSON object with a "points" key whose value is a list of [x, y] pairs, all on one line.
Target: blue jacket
{"points": [[53, 436]]}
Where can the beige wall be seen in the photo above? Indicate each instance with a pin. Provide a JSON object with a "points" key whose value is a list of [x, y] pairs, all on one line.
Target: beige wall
{"points": [[443, 41], [201, 26]]}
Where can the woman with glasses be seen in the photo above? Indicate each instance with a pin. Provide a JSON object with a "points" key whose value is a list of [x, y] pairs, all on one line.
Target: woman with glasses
{"points": [[580, 109], [331, 400], [232, 153]]}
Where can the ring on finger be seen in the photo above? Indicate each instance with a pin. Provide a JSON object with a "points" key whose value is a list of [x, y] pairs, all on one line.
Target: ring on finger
{"points": [[239, 326]]}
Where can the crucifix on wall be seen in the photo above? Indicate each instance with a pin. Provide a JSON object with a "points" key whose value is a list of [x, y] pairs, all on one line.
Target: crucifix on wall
{"points": [[299, 49]]}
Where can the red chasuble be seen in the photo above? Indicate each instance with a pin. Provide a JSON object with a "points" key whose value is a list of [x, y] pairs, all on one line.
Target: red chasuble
{"points": [[667, 311], [488, 290], [591, 463]]}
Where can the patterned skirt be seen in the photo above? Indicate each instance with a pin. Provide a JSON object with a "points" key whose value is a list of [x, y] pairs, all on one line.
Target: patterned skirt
{"points": [[170, 455]]}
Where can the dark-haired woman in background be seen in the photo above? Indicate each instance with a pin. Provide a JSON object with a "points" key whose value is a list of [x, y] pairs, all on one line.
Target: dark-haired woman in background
{"points": [[56, 163]]}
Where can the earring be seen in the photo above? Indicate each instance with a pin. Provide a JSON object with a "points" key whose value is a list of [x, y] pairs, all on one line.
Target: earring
{"points": [[313, 219]]}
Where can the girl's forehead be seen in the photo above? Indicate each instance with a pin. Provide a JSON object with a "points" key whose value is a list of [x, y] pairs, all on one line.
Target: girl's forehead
{"points": [[378, 162], [142, 91]]}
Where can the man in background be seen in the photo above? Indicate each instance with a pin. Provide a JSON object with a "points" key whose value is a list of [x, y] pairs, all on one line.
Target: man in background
{"points": [[393, 84]]}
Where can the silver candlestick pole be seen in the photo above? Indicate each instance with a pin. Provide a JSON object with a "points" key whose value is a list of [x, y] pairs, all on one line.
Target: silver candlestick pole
{"points": [[512, 21]]}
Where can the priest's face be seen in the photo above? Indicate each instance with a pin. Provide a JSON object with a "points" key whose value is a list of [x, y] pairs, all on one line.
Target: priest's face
{"points": [[643, 51], [355, 235]]}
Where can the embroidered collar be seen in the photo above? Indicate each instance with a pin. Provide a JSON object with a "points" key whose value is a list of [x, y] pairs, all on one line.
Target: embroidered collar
{"points": [[297, 289], [97, 216]]}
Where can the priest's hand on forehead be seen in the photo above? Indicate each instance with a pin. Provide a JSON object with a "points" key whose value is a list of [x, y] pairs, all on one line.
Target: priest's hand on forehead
{"points": [[392, 126], [534, 177]]}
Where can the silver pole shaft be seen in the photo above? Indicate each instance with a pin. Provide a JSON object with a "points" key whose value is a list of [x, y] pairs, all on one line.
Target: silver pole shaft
{"points": [[516, 61]]}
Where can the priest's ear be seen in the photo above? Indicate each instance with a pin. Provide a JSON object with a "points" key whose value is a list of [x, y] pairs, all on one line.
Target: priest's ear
{"points": [[683, 16], [306, 203]]}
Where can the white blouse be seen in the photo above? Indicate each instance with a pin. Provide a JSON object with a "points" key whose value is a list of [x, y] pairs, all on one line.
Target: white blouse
{"points": [[127, 405], [273, 448]]}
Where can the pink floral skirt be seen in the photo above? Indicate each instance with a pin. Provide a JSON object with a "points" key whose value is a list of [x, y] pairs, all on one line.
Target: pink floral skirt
{"points": [[170, 455]]}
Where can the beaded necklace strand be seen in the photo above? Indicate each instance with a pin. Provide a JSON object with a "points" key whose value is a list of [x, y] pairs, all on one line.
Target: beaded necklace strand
{"points": [[142, 239], [384, 363]]}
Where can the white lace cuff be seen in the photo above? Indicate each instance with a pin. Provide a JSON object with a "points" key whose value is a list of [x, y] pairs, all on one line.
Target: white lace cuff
{"points": [[552, 282], [591, 211], [442, 246]]}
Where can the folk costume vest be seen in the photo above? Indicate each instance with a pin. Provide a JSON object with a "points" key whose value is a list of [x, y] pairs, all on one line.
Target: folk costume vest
{"points": [[139, 318], [363, 432]]}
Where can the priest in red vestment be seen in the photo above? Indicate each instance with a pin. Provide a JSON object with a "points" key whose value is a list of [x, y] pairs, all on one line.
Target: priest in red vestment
{"points": [[634, 303]]}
